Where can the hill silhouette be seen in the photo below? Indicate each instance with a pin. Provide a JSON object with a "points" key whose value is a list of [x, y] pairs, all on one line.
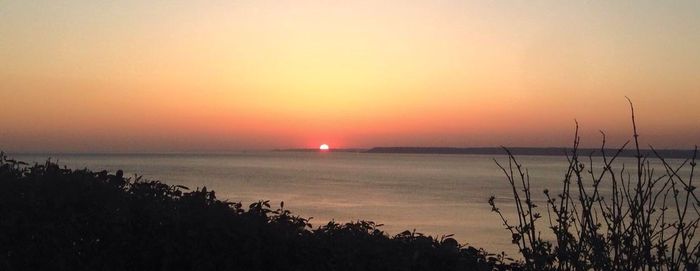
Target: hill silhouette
{"points": [[554, 151]]}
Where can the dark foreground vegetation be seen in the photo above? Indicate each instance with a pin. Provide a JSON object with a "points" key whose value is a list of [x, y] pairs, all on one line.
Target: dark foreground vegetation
{"points": [[54, 218], [608, 215]]}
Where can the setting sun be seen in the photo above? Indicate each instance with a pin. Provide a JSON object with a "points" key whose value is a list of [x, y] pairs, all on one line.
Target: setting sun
{"points": [[324, 147]]}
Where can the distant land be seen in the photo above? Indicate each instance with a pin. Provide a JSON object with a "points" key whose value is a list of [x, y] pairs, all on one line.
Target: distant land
{"points": [[551, 151], [317, 150]]}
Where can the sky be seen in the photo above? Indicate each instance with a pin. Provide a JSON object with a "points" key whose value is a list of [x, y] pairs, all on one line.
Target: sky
{"points": [[190, 76]]}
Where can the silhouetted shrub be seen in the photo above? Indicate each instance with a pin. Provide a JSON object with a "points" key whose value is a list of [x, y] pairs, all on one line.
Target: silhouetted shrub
{"points": [[54, 218], [646, 220]]}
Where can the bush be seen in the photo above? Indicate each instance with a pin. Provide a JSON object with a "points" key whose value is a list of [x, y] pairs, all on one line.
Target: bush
{"points": [[54, 218], [647, 221]]}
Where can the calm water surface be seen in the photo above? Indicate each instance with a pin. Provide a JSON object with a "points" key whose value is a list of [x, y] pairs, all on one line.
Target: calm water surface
{"points": [[433, 194]]}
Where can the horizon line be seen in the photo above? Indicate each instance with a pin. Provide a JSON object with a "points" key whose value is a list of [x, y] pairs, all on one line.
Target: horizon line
{"points": [[358, 149]]}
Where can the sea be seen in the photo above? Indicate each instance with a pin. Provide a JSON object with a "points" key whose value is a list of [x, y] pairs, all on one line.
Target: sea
{"points": [[433, 194]]}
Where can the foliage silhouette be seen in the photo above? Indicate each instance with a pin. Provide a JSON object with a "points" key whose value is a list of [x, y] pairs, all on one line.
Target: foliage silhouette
{"points": [[646, 220], [54, 218]]}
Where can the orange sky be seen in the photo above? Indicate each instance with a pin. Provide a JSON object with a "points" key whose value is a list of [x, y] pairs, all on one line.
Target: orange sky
{"points": [[162, 76]]}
